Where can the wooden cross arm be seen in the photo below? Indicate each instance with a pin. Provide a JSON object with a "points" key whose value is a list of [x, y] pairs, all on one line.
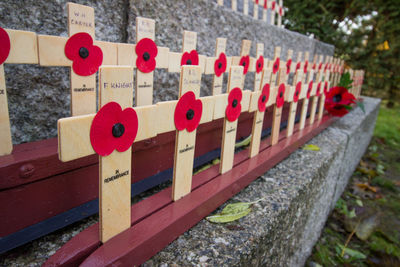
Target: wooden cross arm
{"points": [[51, 51], [252, 68], [23, 49], [74, 133], [221, 101], [127, 56], [210, 61], [174, 64]]}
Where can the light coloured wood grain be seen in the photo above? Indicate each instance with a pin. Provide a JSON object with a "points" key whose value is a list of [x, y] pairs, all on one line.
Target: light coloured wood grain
{"points": [[220, 47], [303, 114], [245, 7], [165, 119], [245, 48], [51, 51], [110, 52], [234, 5], [83, 94], [220, 2], [80, 19], [5, 130], [189, 41], [208, 109], [185, 141], [255, 10], [116, 85], [23, 48], [147, 128], [256, 133], [174, 62], [126, 54], [202, 63], [293, 105], [258, 76], [254, 101], [314, 102], [246, 98], [229, 130], [264, 15], [272, 15], [276, 120], [220, 102], [115, 194]]}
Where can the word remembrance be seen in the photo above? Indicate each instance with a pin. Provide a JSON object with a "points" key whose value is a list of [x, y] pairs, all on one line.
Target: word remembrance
{"points": [[143, 145]]}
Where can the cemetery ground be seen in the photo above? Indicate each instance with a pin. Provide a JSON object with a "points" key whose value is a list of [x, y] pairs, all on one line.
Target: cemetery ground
{"points": [[364, 227]]}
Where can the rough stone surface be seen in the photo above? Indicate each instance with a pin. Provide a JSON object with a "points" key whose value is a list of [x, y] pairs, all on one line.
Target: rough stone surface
{"points": [[39, 96], [297, 194]]}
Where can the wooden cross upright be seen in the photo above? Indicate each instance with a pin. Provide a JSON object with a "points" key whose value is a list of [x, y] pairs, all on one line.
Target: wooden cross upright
{"points": [[127, 55], [189, 49], [234, 5], [246, 7], [218, 65], [260, 62], [52, 52], [265, 10], [220, 2], [324, 86], [280, 13], [113, 127], [318, 88], [255, 9], [22, 49], [294, 95], [308, 89], [273, 13], [244, 59]]}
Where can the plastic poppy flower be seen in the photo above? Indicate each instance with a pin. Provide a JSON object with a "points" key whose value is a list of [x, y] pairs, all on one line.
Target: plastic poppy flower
{"points": [[297, 92], [320, 66], [260, 64], [280, 11], [310, 86], [265, 4], [318, 92], [191, 58], [5, 45], [325, 88], [314, 66], [86, 57], [263, 99], [326, 67], [305, 66], [146, 51], [234, 107], [288, 64], [113, 128], [337, 101], [298, 66], [275, 67], [188, 112], [280, 96], [220, 64], [245, 62], [273, 5]]}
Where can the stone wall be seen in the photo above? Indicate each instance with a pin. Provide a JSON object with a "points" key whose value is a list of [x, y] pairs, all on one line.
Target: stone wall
{"points": [[39, 96]]}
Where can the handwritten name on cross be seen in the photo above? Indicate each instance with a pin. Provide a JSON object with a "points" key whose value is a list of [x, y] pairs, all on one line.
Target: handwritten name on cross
{"points": [[109, 133], [18, 47], [81, 53]]}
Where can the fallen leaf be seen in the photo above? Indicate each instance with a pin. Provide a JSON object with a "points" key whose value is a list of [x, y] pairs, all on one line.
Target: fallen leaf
{"points": [[359, 202], [366, 186], [311, 147], [367, 227], [232, 212], [352, 253]]}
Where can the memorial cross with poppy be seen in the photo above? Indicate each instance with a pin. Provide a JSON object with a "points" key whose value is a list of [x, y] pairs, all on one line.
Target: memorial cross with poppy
{"points": [[16, 47], [259, 66], [109, 133]]}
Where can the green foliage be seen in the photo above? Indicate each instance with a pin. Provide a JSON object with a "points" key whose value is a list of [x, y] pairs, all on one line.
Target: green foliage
{"points": [[341, 207], [350, 255], [381, 244], [345, 81], [388, 125], [365, 33]]}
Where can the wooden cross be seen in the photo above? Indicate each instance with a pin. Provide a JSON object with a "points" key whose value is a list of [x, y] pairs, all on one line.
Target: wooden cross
{"points": [[220, 2], [324, 86], [308, 89], [244, 53], [23, 50], [265, 10], [259, 60], [294, 95], [76, 136], [188, 45], [52, 53], [145, 28], [211, 65], [280, 13], [234, 5], [255, 9], [318, 88], [273, 12], [246, 7]]}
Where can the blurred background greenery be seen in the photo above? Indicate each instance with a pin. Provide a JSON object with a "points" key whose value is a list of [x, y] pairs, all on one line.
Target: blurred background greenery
{"points": [[366, 34]]}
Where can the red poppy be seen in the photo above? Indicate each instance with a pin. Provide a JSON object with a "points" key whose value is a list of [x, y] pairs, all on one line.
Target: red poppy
{"points": [[318, 93], [320, 66], [314, 66], [191, 58], [337, 101], [280, 11], [326, 88], [234, 107], [188, 112], [310, 86], [146, 51], [4, 45], [257, 2], [86, 57], [263, 99], [280, 97], [298, 66], [273, 5], [113, 128], [305, 66], [297, 92], [260, 64], [288, 64], [265, 4], [326, 67], [275, 67], [220, 65], [245, 62]]}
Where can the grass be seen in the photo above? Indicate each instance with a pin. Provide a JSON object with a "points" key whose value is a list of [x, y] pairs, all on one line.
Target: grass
{"points": [[388, 125]]}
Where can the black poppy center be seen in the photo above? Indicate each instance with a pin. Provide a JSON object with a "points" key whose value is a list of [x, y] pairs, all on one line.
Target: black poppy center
{"points": [[264, 98], [188, 62], [190, 114], [83, 52], [281, 94], [219, 65], [244, 64], [259, 65], [234, 103], [337, 98], [297, 93], [118, 130], [146, 56]]}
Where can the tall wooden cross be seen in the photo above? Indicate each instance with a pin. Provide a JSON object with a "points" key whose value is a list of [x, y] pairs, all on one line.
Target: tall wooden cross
{"points": [[280, 13], [144, 56], [273, 12], [325, 85], [308, 88], [265, 10], [259, 66], [255, 9], [318, 88], [109, 133], [244, 59], [17, 47], [84, 62]]}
